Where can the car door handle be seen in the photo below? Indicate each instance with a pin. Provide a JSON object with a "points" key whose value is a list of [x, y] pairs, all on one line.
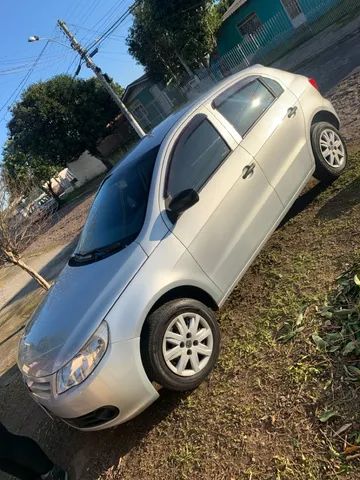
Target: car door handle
{"points": [[248, 171], [292, 112]]}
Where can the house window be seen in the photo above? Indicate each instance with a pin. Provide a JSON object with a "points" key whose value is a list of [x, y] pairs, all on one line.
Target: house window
{"points": [[293, 8], [250, 25], [141, 114]]}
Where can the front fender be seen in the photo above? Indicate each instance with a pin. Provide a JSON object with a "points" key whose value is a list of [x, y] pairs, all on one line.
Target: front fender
{"points": [[168, 267]]}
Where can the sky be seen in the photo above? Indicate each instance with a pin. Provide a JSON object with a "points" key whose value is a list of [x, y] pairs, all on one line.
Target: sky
{"points": [[20, 19]]}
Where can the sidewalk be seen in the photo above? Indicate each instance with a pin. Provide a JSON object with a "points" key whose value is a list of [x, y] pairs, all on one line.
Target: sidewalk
{"points": [[15, 283], [328, 38]]}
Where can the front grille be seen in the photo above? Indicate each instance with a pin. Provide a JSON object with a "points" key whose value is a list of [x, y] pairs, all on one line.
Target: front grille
{"points": [[94, 419], [39, 387]]}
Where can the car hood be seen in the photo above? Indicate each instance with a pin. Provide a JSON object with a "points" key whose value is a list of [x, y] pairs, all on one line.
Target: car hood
{"points": [[73, 309]]}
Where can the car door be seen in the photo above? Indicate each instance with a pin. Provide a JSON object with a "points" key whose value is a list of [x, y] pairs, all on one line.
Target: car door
{"points": [[269, 122], [237, 206]]}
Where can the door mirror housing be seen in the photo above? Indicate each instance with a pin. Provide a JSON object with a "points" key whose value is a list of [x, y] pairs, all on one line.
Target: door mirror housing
{"points": [[182, 202]]}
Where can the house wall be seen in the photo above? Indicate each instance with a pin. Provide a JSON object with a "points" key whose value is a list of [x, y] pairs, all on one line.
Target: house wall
{"points": [[229, 35], [86, 168], [156, 106], [311, 7]]}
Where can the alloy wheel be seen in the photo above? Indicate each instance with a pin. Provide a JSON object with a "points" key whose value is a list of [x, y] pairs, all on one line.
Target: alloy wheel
{"points": [[187, 344], [332, 148]]}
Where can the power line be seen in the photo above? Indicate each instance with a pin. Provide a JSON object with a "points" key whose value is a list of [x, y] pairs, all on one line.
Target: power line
{"points": [[17, 69], [29, 60], [114, 26], [106, 20], [22, 83], [96, 31], [91, 10]]}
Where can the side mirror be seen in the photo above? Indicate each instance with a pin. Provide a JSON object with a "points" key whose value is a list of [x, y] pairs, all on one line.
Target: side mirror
{"points": [[182, 202]]}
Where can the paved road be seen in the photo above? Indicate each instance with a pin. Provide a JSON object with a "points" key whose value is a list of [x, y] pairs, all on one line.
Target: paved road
{"points": [[335, 63], [18, 283], [329, 56]]}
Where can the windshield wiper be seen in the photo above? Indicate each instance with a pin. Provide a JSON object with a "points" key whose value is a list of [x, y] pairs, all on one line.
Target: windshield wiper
{"points": [[99, 253]]}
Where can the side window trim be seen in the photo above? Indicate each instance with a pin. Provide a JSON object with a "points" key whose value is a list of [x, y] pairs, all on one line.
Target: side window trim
{"points": [[236, 87], [193, 124], [218, 101], [264, 81]]}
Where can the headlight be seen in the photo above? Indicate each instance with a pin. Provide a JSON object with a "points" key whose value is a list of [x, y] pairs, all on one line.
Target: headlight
{"points": [[81, 366]]}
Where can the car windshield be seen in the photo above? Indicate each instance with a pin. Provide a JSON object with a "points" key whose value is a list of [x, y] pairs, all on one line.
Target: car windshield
{"points": [[118, 212]]}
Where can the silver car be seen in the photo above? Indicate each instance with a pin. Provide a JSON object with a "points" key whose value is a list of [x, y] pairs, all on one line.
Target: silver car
{"points": [[172, 230]]}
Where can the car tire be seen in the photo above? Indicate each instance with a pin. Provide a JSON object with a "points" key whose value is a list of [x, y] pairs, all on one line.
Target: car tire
{"points": [[329, 150], [191, 328]]}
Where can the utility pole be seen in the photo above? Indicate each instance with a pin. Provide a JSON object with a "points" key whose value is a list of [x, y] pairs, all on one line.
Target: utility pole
{"points": [[75, 45]]}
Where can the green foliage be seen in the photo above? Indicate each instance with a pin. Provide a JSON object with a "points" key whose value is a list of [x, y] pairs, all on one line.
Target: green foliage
{"points": [[327, 415], [341, 330], [290, 329], [163, 32], [54, 123], [25, 171]]}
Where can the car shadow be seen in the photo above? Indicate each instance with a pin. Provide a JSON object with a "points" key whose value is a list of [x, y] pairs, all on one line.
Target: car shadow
{"points": [[341, 203], [87, 455], [303, 202], [50, 271]]}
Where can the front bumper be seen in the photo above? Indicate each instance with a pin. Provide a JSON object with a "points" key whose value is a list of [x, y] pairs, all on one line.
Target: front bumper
{"points": [[118, 381]]}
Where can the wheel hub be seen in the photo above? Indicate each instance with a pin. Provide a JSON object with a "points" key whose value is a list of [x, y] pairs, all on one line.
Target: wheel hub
{"points": [[332, 148], [187, 344]]}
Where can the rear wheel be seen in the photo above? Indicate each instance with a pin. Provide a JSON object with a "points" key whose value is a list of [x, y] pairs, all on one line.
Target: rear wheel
{"points": [[180, 344], [329, 150]]}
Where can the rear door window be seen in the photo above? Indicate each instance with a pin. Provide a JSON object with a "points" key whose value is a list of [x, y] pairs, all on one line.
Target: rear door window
{"points": [[243, 105]]}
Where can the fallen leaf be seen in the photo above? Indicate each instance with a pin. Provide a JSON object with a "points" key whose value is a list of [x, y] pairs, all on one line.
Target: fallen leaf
{"points": [[351, 449], [353, 457], [320, 343], [357, 280], [343, 429], [299, 320], [352, 373], [350, 347], [325, 416]]}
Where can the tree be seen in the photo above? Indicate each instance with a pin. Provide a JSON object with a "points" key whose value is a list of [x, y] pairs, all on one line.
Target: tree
{"points": [[164, 34], [54, 123], [27, 171], [19, 228]]}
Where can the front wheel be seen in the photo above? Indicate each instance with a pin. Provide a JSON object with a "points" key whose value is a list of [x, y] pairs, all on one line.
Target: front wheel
{"points": [[329, 150], [180, 344]]}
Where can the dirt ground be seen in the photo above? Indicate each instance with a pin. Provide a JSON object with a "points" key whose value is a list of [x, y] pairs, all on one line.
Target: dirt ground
{"points": [[67, 226], [257, 417]]}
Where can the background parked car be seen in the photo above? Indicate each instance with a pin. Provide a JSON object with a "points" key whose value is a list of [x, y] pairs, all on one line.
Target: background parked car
{"points": [[43, 206]]}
